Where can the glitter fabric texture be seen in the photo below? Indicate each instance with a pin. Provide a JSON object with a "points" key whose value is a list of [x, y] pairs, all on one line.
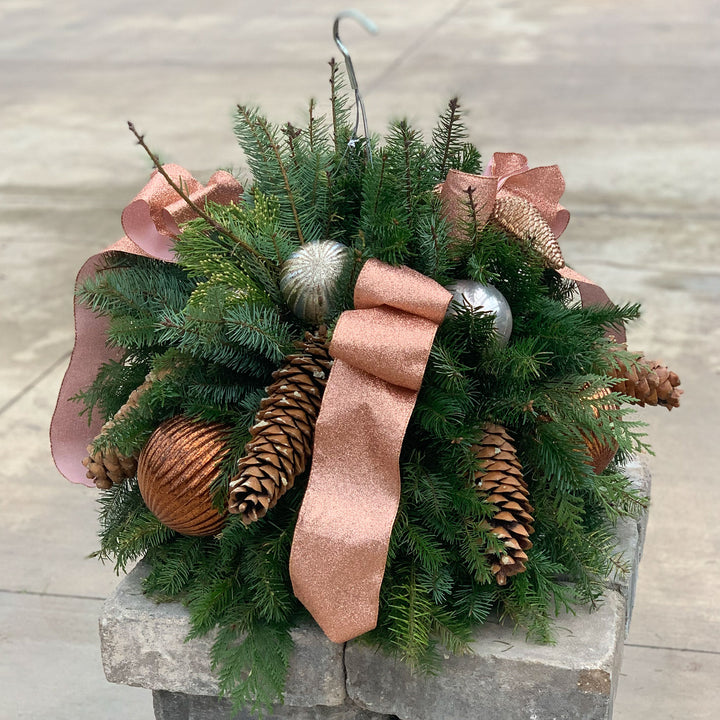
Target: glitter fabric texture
{"points": [[341, 539]]}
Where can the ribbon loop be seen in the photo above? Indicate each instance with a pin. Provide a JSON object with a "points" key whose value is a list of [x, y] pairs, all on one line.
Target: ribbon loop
{"points": [[403, 288], [153, 218], [343, 530], [507, 173], [151, 222], [367, 339]]}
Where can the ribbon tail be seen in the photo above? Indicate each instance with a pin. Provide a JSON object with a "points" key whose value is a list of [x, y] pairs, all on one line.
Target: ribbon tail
{"points": [[151, 222], [341, 540], [70, 433], [340, 547], [592, 294]]}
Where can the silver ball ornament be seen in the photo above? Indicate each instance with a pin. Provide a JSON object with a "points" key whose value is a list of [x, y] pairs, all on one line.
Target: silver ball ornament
{"points": [[486, 298], [309, 279]]}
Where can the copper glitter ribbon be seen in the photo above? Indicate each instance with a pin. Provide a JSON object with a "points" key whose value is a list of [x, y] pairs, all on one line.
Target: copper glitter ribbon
{"points": [[343, 530], [510, 174], [150, 221]]}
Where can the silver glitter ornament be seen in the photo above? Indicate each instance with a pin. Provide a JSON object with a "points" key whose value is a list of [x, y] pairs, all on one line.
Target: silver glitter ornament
{"points": [[309, 279], [486, 298]]}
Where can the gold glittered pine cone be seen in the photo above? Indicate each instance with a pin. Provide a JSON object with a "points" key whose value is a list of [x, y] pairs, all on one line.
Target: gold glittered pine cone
{"points": [[500, 481], [651, 382], [108, 466], [281, 438], [523, 219]]}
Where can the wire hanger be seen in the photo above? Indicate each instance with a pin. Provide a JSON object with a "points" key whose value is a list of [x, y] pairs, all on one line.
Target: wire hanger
{"points": [[370, 26]]}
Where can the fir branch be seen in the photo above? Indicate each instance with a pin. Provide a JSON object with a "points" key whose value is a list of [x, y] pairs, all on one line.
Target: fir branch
{"points": [[206, 338], [173, 567], [112, 386], [411, 612], [209, 601], [470, 160], [421, 544], [251, 660], [209, 256], [338, 104], [260, 127], [433, 239], [128, 530], [475, 601], [379, 188], [407, 142], [259, 328], [453, 632], [281, 165], [267, 585], [439, 584], [446, 136]]}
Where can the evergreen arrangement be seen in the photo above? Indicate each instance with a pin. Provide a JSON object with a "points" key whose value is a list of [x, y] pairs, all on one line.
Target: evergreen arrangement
{"points": [[501, 507]]}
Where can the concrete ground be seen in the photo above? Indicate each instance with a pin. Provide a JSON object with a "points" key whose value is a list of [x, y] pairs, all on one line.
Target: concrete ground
{"points": [[624, 96]]}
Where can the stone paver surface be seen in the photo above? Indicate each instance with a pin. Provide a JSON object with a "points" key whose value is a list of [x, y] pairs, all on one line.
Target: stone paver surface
{"points": [[623, 96]]}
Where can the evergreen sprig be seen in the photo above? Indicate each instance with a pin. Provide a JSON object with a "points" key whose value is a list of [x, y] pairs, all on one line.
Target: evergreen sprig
{"points": [[450, 148]]}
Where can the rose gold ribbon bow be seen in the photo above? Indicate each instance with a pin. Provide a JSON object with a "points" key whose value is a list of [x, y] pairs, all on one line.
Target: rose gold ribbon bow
{"points": [[150, 221], [510, 174], [343, 530]]}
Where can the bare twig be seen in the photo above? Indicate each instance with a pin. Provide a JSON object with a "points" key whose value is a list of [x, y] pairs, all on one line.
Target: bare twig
{"points": [[311, 124], [292, 134], [193, 205]]}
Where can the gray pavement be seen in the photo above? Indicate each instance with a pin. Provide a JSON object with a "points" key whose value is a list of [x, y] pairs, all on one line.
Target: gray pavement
{"points": [[623, 96]]}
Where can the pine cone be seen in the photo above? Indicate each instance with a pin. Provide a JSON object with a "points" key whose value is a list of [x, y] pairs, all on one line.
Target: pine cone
{"points": [[108, 466], [282, 436], [601, 454], [650, 382], [524, 221], [500, 481]]}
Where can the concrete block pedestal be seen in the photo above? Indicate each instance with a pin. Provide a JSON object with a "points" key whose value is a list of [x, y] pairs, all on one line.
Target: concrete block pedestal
{"points": [[143, 644]]}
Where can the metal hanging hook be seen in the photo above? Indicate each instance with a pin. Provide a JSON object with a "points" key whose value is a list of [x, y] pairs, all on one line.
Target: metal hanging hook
{"points": [[370, 26]]}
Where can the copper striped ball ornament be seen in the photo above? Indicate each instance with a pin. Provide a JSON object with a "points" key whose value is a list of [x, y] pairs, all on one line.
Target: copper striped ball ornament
{"points": [[175, 471]]}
